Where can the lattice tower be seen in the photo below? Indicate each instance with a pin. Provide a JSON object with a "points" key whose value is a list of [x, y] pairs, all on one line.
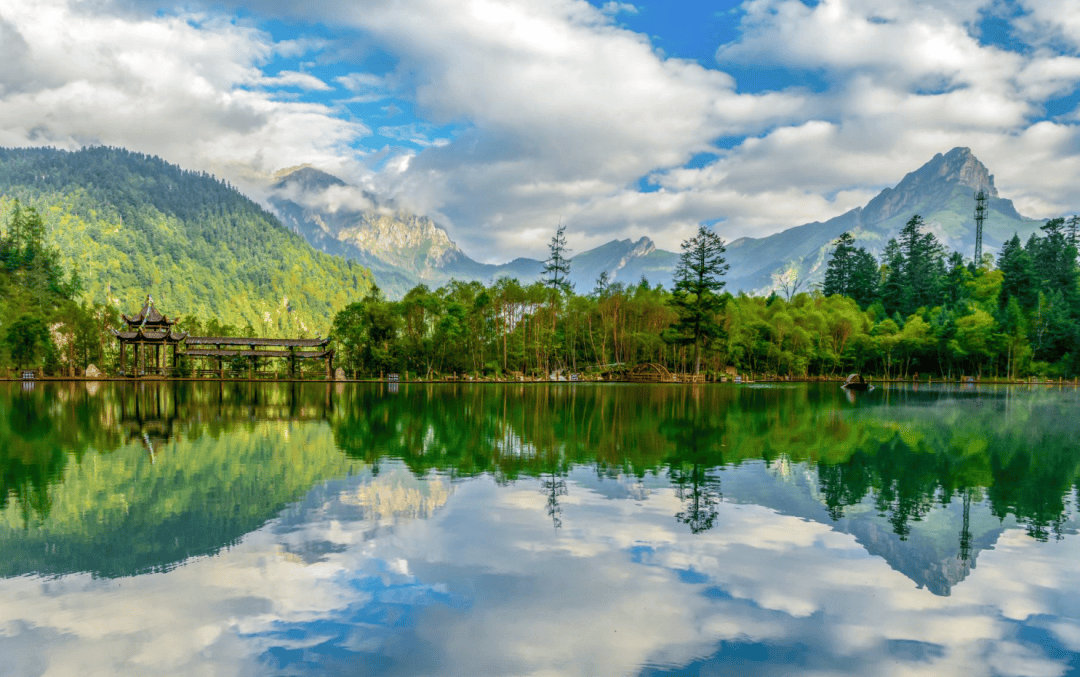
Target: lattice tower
{"points": [[980, 216]]}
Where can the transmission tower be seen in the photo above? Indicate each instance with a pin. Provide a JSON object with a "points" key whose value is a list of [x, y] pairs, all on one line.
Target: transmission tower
{"points": [[980, 216]]}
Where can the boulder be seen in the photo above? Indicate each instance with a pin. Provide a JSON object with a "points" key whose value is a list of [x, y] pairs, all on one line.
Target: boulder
{"points": [[92, 372], [339, 374]]}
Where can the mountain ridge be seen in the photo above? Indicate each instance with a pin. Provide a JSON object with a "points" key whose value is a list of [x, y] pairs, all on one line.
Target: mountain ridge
{"points": [[941, 190]]}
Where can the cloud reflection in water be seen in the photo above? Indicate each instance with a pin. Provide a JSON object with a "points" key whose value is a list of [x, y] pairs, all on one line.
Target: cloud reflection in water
{"points": [[391, 575]]}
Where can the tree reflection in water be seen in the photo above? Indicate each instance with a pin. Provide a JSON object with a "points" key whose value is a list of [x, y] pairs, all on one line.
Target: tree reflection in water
{"points": [[898, 451]]}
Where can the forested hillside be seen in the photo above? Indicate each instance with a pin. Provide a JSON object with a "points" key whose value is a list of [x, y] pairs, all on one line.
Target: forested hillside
{"points": [[131, 225]]}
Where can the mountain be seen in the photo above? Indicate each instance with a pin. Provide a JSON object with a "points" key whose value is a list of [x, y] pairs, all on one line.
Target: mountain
{"points": [[941, 191], [133, 225], [403, 249]]}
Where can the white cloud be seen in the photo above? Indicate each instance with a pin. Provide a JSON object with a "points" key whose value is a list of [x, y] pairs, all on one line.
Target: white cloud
{"points": [[294, 79], [188, 88], [558, 111], [566, 111]]}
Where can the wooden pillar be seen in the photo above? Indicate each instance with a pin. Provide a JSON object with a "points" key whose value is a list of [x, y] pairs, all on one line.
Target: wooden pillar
{"points": [[123, 365], [292, 362]]}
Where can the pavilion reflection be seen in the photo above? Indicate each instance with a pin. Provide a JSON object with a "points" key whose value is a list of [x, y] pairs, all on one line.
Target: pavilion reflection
{"points": [[152, 413]]}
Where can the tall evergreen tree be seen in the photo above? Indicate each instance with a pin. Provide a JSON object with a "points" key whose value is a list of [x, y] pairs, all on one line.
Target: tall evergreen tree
{"points": [[1054, 263], [923, 267], [1018, 276], [892, 287], [1073, 231], [557, 267], [865, 277], [838, 273], [696, 296]]}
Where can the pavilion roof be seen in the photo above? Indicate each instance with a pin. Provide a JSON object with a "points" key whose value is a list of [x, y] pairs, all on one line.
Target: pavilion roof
{"points": [[149, 315]]}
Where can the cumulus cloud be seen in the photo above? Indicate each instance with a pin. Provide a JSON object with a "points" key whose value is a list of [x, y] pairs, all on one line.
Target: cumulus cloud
{"points": [[186, 87], [558, 112], [565, 112]]}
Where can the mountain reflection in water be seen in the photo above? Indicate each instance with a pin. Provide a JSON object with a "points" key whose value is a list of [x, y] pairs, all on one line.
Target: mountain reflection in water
{"points": [[568, 529]]}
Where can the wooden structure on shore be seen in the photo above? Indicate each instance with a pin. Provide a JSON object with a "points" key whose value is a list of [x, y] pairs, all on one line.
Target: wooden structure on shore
{"points": [[150, 335]]}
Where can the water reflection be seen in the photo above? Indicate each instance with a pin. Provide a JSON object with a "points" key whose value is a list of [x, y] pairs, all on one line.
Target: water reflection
{"points": [[308, 529]]}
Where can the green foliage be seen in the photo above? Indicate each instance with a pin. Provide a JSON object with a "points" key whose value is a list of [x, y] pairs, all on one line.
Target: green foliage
{"points": [[127, 224], [696, 296], [557, 267]]}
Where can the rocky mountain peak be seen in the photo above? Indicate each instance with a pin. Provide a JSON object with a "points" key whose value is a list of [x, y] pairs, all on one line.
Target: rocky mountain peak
{"points": [[957, 167], [930, 185], [642, 247], [305, 177]]}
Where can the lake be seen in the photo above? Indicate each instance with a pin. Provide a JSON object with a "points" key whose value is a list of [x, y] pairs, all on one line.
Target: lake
{"points": [[562, 529]]}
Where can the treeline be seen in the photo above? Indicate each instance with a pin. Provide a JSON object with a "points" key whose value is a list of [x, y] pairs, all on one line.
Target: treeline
{"points": [[919, 310]]}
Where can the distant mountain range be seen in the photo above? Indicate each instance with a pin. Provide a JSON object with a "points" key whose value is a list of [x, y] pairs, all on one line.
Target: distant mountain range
{"points": [[135, 225], [403, 249]]}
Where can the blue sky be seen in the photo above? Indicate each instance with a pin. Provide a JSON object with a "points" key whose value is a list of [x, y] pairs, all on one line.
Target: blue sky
{"points": [[499, 118]]}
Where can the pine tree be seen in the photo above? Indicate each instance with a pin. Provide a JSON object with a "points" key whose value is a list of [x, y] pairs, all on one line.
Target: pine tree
{"points": [[696, 296], [923, 267], [892, 288], [838, 274], [865, 278], [1018, 276], [557, 267], [1054, 263]]}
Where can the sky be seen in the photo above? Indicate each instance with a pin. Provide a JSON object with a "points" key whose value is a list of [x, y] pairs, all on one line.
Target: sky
{"points": [[501, 119]]}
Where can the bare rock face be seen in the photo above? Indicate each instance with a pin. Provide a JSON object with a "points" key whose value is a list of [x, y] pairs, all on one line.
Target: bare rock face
{"points": [[92, 372], [410, 241]]}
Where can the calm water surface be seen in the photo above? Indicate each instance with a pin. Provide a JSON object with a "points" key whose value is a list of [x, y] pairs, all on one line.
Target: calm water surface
{"points": [[240, 529]]}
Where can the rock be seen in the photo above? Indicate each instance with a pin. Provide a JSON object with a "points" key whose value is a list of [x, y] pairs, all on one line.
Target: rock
{"points": [[339, 374], [92, 372]]}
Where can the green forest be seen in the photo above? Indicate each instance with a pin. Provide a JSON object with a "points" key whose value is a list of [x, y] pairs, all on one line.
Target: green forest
{"points": [[919, 312], [127, 225]]}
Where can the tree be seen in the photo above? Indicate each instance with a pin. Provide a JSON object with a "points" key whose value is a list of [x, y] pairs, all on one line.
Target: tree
{"points": [[26, 340], [789, 281], [892, 285], [923, 267], [1054, 263], [696, 296], [1073, 231], [865, 277], [1018, 279], [839, 271], [557, 267]]}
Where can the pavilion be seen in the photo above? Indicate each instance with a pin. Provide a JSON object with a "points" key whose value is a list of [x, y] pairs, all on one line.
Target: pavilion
{"points": [[150, 329]]}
